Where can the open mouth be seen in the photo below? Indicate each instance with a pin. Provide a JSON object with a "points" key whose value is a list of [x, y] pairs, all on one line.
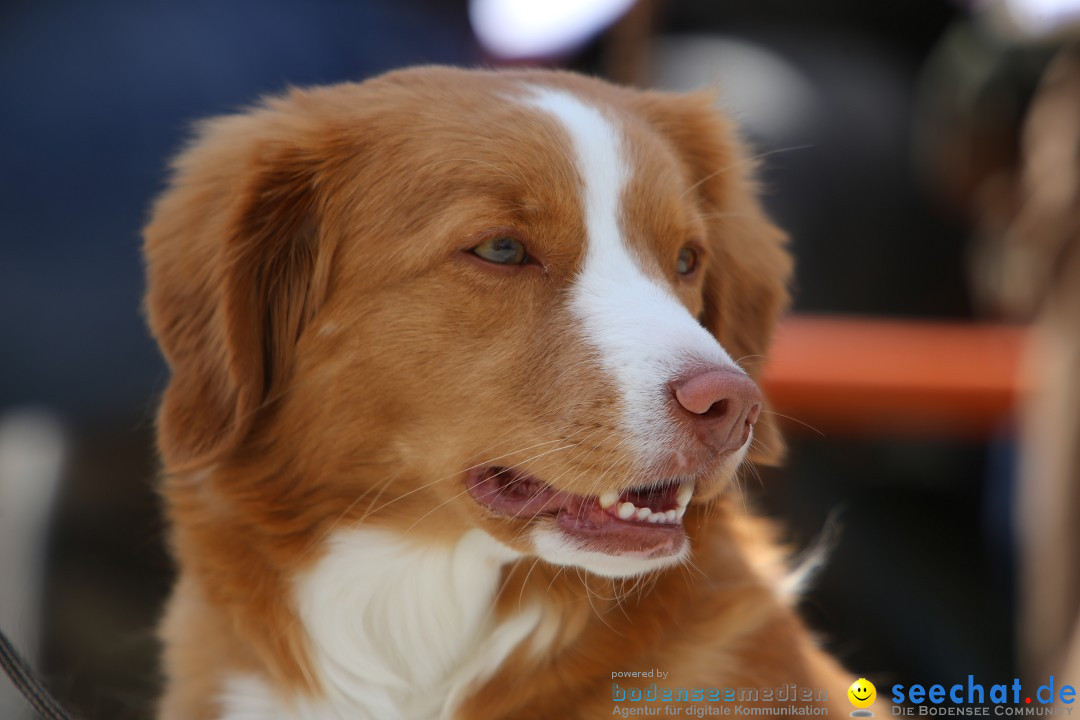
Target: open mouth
{"points": [[644, 521]]}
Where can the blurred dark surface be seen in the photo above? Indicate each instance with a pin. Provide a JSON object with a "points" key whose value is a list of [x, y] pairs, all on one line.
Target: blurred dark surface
{"points": [[918, 587], [109, 574], [99, 95]]}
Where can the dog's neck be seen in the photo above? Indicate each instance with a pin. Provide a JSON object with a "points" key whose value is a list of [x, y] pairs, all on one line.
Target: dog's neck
{"points": [[404, 630]]}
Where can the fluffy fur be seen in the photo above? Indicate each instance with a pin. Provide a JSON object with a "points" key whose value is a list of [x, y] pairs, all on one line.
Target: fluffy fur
{"points": [[342, 365]]}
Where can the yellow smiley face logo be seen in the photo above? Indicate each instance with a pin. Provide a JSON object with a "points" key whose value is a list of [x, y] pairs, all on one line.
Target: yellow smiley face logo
{"points": [[862, 693]]}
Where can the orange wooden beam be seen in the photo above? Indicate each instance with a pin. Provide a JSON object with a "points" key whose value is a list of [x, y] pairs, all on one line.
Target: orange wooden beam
{"points": [[887, 377]]}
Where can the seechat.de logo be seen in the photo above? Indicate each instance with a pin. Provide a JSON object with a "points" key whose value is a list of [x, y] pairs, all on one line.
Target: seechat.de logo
{"points": [[974, 698]]}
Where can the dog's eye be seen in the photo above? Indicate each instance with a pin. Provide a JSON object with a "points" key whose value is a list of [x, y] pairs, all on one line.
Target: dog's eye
{"points": [[502, 250], [687, 262]]}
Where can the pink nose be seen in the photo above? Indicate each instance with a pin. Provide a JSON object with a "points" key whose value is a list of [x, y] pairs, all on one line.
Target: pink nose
{"points": [[722, 403]]}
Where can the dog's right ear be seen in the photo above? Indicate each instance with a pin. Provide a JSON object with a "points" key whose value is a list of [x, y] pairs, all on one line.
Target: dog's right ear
{"points": [[233, 276]]}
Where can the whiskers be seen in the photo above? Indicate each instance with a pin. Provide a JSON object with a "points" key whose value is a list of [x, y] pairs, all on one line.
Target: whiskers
{"points": [[806, 425], [751, 161]]}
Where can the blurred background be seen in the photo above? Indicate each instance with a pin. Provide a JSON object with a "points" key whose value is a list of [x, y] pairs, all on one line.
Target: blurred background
{"points": [[924, 156]]}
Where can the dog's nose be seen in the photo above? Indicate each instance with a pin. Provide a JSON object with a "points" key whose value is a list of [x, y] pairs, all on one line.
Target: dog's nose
{"points": [[722, 403]]}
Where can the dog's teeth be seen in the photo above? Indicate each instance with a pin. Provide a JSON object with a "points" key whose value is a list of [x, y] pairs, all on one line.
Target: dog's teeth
{"points": [[686, 491], [609, 498], [629, 511]]}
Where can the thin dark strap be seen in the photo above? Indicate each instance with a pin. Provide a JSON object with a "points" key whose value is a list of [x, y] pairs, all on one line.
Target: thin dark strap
{"points": [[24, 680]]}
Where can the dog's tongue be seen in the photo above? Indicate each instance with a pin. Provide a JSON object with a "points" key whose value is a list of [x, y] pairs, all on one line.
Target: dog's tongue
{"points": [[517, 495]]}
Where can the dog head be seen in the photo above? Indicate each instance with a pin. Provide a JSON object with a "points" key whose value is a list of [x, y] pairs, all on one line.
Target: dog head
{"points": [[530, 303]]}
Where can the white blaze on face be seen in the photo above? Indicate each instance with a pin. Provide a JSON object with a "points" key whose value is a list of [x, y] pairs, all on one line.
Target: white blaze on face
{"points": [[642, 334]]}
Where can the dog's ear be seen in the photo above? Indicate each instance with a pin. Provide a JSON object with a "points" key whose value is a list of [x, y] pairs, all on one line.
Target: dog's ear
{"points": [[746, 289], [231, 252]]}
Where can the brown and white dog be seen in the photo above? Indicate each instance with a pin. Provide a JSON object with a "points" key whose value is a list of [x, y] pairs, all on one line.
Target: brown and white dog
{"points": [[462, 377]]}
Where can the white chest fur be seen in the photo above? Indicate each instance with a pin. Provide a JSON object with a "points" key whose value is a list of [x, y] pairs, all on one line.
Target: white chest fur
{"points": [[397, 630]]}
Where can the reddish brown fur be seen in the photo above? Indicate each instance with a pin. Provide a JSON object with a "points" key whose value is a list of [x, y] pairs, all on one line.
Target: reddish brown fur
{"points": [[332, 350]]}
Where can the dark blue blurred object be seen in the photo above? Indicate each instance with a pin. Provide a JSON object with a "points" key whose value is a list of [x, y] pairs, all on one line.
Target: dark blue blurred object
{"points": [[96, 97]]}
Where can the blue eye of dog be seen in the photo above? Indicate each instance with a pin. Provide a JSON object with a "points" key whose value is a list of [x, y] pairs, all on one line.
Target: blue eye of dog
{"points": [[502, 250], [687, 262]]}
